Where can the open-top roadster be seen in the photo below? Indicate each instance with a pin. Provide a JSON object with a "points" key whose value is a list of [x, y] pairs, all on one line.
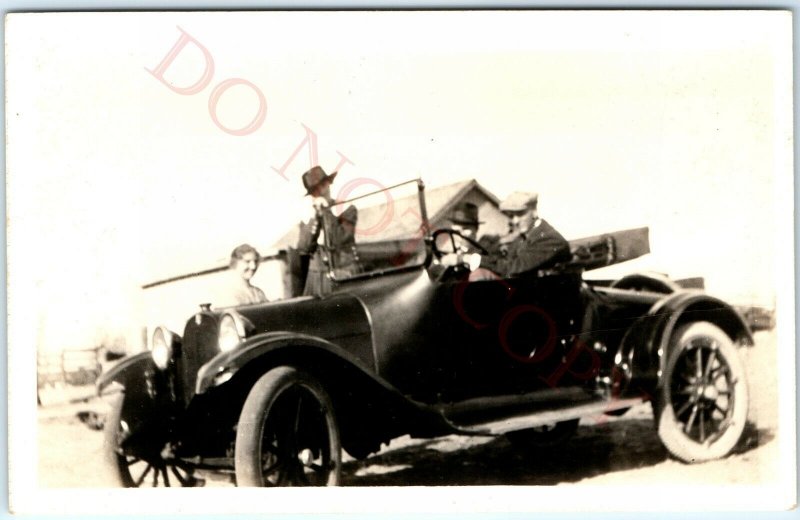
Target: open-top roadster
{"points": [[271, 393]]}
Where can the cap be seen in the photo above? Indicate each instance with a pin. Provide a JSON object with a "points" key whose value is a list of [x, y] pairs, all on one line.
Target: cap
{"points": [[519, 201]]}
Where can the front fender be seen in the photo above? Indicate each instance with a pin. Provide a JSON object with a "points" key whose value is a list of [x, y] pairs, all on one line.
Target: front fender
{"points": [[129, 373], [147, 400], [225, 365], [355, 388], [644, 349]]}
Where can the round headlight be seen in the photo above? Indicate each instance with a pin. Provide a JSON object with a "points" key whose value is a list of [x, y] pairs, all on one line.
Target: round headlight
{"points": [[230, 334], [162, 347]]}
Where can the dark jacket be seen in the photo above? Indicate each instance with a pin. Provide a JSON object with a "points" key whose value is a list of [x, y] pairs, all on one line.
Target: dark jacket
{"points": [[340, 242], [540, 247]]}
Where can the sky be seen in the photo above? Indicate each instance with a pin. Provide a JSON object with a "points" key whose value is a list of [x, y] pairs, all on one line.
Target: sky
{"points": [[676, 121]]}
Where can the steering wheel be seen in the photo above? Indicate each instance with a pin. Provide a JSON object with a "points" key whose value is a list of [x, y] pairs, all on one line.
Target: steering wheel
{"points": [[452, 233], [457, 271]]}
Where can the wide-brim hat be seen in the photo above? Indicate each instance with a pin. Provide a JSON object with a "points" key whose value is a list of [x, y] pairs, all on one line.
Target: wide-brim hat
{"points": [[316, 176], [519, 201], [465, 214]]}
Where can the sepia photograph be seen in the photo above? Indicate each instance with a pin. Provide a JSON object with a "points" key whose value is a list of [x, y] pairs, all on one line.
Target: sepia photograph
{"points": [[437, 261]]}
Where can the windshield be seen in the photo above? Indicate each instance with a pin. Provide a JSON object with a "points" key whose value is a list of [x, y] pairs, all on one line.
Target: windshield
{"points": [[378, 230]]}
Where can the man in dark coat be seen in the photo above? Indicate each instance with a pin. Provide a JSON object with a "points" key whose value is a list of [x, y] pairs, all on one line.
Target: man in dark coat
{"points": [[533, 244], [339, 234]]}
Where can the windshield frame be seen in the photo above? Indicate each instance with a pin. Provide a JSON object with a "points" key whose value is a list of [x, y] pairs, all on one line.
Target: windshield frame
{"points": [[424, 236]]}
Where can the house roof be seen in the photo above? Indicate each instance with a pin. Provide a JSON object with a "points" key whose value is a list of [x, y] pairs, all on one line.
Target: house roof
{"points": [[441, 201]]}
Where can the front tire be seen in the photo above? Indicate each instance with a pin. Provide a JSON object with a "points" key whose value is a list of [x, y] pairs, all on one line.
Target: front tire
{"points": [[701, 408], [142, 465], [287, 433]]}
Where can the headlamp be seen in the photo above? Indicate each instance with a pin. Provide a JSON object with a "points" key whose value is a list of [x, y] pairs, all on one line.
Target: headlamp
{"points": [[232, 331], [163, 347]]}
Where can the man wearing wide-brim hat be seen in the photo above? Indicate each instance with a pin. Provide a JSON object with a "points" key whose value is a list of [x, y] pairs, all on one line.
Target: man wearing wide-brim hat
{"points": [[531, 245], [318, 183], [339, 234], [464, 219]]}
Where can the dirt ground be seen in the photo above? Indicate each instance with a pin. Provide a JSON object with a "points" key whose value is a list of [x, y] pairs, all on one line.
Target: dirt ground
{"points": [[605, 449]]}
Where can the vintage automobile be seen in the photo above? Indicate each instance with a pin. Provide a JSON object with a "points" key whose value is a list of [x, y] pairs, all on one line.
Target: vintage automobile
{"points": [[272, 393]]}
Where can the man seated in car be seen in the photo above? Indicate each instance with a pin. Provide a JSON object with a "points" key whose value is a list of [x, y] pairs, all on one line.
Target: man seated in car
{"points": [[531, 244], [464, 220]]}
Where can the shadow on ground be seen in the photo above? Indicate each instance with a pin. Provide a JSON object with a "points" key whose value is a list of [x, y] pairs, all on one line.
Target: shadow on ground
{"points": [[612, 445], [607, 447], [594, 450]]}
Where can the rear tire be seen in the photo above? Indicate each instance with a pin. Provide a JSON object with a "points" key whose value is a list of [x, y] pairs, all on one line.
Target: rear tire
{"points": [[701, 407], [287, 433]]}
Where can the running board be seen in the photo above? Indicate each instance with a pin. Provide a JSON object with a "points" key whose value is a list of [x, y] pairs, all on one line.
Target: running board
{"points": [[545, 417]]}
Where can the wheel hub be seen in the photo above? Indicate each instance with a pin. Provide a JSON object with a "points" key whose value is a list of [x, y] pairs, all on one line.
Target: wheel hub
{"points": [[306, 457], [701, 404]]}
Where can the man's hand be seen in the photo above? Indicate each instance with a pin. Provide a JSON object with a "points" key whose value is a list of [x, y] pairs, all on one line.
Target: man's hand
{"points": [[451, 259], [314, 227], [473, 261]]}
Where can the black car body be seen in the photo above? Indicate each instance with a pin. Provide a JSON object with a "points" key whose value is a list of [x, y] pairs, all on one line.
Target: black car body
{"points": [[405, 346]]}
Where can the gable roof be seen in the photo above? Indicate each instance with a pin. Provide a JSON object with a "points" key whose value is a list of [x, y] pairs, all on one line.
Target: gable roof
{"points": [[441, 201]]}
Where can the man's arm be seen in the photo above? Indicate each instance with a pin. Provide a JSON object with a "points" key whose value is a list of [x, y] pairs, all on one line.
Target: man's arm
{"points": [[309, 233], [542, 247], [343, 233], [489, 242], [495, 262]]}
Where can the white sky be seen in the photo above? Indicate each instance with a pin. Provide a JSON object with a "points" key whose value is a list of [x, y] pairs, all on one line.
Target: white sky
{"points": [[676, 121]]}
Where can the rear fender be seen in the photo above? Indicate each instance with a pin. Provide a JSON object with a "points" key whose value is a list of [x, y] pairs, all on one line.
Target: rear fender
{"points": [[652, 282], [645, 348]]}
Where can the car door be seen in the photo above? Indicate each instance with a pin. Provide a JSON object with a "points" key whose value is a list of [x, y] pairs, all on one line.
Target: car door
{"points": [[507, 336]]}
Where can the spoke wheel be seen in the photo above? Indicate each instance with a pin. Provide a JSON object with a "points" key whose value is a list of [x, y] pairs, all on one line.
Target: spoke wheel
{"points": [[548, 436], [287, 433], [702, 406], [143, 466]]}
